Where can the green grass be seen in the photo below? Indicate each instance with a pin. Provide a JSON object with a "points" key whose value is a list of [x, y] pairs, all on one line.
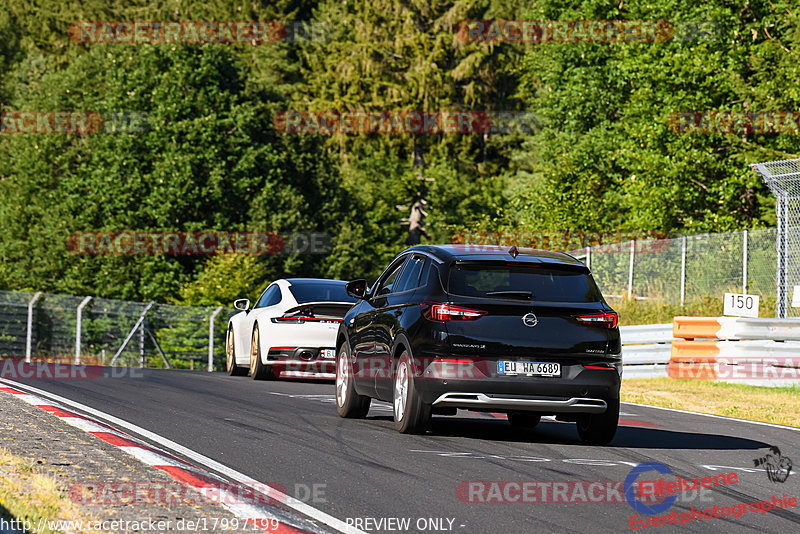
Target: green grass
{"points": [[28, 494], [780, 405], [656, 311]]}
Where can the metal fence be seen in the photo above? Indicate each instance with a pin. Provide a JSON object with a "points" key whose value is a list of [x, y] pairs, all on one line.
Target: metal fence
{"points": [[686, 268], [93, 330], [783, 179]]}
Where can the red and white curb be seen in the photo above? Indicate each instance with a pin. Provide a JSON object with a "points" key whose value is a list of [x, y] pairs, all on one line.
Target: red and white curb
{"points": [[265, 515]]}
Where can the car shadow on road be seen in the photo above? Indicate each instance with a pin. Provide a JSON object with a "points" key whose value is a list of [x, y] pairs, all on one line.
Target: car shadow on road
{"points": [[551, 432], [659, 438]]}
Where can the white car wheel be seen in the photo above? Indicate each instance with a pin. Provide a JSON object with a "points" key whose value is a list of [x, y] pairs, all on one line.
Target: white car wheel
{"points": [[348, 403], [411, 414], [230, 356]]}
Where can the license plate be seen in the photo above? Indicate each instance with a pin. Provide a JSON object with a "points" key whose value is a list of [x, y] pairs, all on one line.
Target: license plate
{"points": [[529, 368], [328, 353]]}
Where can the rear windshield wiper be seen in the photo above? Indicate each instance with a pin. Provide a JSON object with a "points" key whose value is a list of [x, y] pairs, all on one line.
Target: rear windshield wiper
{"points": [[513, 294]]}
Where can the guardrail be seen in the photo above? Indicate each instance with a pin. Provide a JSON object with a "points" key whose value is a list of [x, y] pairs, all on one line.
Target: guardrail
{"points": [[756, 351], [646, 350], [736, 328]]}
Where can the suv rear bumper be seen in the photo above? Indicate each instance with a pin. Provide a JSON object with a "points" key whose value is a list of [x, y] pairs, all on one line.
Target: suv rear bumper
{"points": [[578, 390], [500, 402]]}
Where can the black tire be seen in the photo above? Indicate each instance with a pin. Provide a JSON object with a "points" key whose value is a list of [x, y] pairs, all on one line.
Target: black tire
{"points": [[230, 356], [411, 415], [258, 371], [349, 404], [599, 429], [524, 421]]}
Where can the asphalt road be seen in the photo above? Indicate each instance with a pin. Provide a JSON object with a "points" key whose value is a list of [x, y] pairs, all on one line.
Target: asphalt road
{"points": [[288, 432]]}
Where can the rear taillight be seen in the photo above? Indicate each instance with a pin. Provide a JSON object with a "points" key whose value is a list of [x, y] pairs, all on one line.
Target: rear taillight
{"points": [[441, 313], [605, 366], [605, 320]]}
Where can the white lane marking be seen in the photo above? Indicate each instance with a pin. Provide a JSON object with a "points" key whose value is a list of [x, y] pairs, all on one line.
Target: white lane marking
{"points": [[247, 511], [84, 424], [469, 455], [72, 419], [331, 399], [308, 374], [214, 465], [154, 457], [150, 458], [761, 423], [32, 399], [477, 456]]}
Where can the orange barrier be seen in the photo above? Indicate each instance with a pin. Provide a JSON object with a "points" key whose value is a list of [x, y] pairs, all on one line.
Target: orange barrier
{"points": [[725, 348], [700, 351], [693, 359], [695, 327], [760, 351]]}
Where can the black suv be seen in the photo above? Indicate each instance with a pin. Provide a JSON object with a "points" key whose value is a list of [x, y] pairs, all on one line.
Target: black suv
{"points": [[520, 331]]}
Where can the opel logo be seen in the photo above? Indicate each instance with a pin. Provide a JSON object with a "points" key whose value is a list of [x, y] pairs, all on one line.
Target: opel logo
{"points": [[530, 320]]}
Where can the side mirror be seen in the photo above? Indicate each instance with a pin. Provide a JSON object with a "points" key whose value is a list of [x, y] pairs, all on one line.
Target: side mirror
{"points": [[242, 304], [356, 288]]}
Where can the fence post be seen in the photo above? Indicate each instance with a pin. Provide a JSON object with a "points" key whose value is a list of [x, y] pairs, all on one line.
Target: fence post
{"points": [[141, 345], [211, 338], [630, 269], [81, 306], [588, 257], [683, 269], [132, 332], [744, 262], [780, 242], [29, 335]]}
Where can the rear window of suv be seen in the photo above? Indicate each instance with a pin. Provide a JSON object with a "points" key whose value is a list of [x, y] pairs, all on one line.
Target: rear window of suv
{"points": [[524, 282]]}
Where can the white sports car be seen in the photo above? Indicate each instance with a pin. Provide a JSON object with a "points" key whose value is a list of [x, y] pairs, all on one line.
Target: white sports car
{"points": [[290, 332]]}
